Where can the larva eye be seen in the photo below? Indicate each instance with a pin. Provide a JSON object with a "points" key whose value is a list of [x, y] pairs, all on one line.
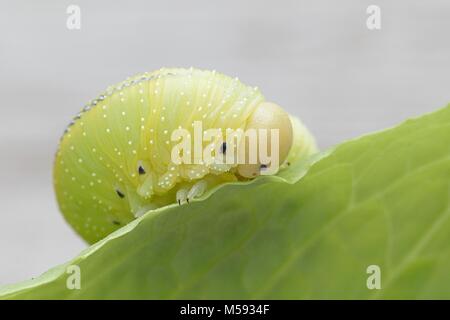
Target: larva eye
{"points": [[115, 160], [268, 116]]}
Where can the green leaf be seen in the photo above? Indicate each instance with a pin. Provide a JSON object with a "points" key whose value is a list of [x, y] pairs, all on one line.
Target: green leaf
{"points": [[382, 199]]}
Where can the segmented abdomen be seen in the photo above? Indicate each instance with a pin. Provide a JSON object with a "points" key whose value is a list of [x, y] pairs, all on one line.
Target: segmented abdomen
{"points": [[114, 161]]}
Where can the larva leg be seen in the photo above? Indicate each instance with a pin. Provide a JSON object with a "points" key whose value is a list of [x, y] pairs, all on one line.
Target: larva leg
{"points": [[182, 195], [196, 190]]}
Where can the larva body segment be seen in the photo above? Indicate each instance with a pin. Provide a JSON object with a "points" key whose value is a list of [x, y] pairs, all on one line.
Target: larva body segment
{"points": [[114, 161]]}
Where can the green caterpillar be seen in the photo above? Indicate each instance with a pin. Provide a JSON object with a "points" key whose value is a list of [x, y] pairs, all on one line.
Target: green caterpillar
{"points": [[114, 162]]}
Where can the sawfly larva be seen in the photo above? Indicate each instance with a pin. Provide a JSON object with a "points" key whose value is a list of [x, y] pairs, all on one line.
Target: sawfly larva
{"points": [[114, 160]]}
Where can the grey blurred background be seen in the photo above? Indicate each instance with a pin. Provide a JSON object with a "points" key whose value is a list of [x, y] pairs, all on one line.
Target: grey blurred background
{"points": [[315, 58]]}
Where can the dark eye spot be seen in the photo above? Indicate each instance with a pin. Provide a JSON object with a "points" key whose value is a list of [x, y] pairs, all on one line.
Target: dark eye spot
{"points": [[141, 170], [117, 223], [288, 163], [263, 166], [223, 148], [120, 194]]}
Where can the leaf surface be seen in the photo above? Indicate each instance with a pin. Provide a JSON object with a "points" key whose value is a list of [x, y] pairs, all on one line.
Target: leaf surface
{"points": [[382, 199]]}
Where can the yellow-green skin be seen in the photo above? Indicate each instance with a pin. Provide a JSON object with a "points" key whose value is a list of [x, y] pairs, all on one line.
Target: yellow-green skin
{"points": [[114, 160]]}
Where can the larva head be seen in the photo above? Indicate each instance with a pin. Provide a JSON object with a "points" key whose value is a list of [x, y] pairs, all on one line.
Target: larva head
{"points": [[115, 161], [271, 118]]}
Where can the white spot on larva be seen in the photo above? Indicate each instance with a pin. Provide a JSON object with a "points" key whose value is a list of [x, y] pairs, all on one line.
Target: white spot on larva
{"points": [[94, 150], [108, 130], [80, 160], [130, 142], [94, 174], [163, 118], [123, 113], [127, 128]]}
